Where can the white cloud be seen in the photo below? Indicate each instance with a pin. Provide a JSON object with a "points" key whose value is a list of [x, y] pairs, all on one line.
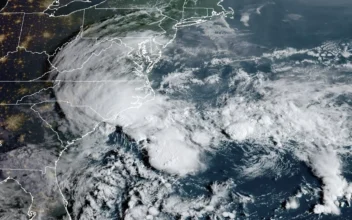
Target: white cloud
{"points": [[212, 79], [292, 203], [245, 19], [119, 93], [327, 166]]}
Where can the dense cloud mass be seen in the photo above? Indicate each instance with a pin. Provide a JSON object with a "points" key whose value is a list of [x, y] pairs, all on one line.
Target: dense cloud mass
{"points": [[297, 109], [14, 200]]}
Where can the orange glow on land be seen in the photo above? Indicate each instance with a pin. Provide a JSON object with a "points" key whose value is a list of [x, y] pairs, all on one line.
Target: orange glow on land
{"points": [[46, 107], [26, 42], [47, 34], [22, 138], [45, 3], [2, 38], [23, 90], [3, 59], [19, 61], [14, 122], [68, 20]]}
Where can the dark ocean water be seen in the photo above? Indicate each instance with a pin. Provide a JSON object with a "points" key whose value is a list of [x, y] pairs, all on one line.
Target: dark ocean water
{"points": [[269, 190], [298, 24], [2, 4]]}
